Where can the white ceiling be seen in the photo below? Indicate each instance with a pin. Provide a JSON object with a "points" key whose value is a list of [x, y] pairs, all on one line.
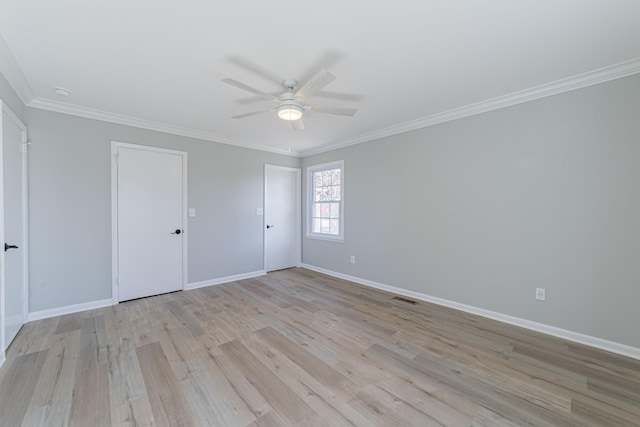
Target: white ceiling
{"points": [[159, 64]]}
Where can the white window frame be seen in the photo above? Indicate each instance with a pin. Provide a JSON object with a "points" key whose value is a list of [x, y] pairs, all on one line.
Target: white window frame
{"points": [[310, 192]]}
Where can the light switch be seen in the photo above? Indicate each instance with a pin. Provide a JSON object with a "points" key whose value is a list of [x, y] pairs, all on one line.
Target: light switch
{"points": [[192, 212], [258, 211]]}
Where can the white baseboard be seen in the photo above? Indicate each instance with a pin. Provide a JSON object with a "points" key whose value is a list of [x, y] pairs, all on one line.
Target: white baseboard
{"points": [[600, 343], [2, 359], [222, 280], [75, 308], [69, 309]]}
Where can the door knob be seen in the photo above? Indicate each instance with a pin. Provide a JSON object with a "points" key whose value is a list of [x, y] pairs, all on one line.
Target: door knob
{"points": [[7, 247], [178, 231], [270, 226]]}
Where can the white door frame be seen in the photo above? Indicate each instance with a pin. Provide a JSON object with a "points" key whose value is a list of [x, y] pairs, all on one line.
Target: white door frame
{"points": [[25, 218], [298, 204], [114, 210]]}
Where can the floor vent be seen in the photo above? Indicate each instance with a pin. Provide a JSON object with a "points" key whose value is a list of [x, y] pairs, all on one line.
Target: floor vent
{"points": [[407, 300]]}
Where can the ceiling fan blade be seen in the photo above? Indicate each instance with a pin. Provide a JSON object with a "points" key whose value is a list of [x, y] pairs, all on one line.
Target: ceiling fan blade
{"points": [[298, 124], [338, 96], [316, 83], [243, 86], [255, 68], [327, 60], [253, 113], [252, 99], [336, 111]]}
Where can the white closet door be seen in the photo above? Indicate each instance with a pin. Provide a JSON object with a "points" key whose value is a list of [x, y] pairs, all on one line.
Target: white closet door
{"points": [[150, 219], [282, 217], [14, 253]]}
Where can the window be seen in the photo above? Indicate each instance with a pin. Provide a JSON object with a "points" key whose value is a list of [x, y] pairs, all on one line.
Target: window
{"points": [[325, 201]]}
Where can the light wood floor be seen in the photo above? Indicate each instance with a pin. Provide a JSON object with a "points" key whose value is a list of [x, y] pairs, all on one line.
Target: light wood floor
{"points": [[302, 349]]}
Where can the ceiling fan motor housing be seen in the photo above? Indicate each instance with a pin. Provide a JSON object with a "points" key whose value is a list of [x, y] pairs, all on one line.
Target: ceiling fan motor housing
{"points": [[290, 84]]}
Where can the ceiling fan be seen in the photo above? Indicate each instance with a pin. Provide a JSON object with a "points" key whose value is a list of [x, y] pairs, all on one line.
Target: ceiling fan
{"points": [[292, 103]]}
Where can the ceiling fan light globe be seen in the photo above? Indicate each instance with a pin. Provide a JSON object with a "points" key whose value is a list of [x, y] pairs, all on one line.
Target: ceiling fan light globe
{"points": [[290, 112]]}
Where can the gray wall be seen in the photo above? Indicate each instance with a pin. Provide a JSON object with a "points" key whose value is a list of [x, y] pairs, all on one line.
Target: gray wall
{"points": [[484, 209], [480, 210], [8, 95], [70, 206]]}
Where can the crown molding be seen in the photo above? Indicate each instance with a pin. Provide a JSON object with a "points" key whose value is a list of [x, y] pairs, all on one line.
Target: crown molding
{"points": [[11, 70], [579, 81], [105, 116]]}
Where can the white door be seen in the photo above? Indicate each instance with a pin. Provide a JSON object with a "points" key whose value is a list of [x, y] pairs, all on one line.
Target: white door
{"points": [[150, 206], [13, 258], [282, 217]]}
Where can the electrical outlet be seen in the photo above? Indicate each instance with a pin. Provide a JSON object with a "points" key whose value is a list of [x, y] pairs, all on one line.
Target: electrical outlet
{"points": [[541, 294], [353, 259]]}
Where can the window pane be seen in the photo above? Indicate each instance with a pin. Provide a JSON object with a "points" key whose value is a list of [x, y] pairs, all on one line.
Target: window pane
{"points": [[317, 179], [326, 210], [316, 210], [334, 226], [335, 193], [325, 227], [335, 210], [316, 226], [335, 176], [326, 178], [326, 194]]}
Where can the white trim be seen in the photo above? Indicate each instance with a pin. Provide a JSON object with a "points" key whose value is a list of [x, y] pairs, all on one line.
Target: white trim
{"points": [[579, 81], [600, 343], [221, 280], [69, 309], [2, 358], [114, 224], [11, 70], [298, 213], [2, 255], [311, 169], [25, 211], [105, 116], [114, 210]]}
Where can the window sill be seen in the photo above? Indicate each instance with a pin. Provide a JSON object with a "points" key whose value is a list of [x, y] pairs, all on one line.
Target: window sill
{"points": [[325, 238]]}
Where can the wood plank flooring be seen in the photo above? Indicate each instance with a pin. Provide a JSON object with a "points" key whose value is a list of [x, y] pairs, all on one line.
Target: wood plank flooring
{"points": [[298, 348]]}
